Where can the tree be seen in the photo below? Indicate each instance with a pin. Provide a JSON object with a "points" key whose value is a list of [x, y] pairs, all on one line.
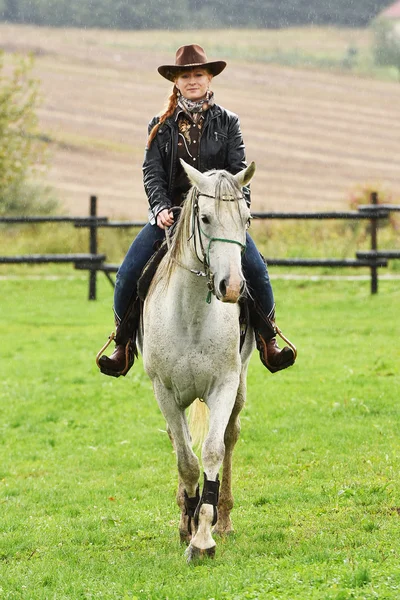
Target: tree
{"points": [[11, 10], [20, 148], [175, 14]]}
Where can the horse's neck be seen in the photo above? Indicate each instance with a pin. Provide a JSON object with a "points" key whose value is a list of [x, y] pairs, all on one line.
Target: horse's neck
{"points": [[190, 292]]}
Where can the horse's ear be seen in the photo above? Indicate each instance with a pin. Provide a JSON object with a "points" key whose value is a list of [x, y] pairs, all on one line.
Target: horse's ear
{"points": [[194, 175], [243, 177]]}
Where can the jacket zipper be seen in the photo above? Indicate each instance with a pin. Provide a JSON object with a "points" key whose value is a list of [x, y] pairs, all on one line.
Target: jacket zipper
{"points": [[172, 162], [206, 124]]}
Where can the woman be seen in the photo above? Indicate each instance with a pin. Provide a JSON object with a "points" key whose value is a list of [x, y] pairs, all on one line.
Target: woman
{"points": [[193, 128]]}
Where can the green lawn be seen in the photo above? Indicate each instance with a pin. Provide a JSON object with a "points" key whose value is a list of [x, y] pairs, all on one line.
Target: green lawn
{"points": [[87, 475]]}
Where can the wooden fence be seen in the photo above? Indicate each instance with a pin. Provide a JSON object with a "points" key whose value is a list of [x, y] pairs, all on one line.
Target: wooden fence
{"points": [[94, 262]]}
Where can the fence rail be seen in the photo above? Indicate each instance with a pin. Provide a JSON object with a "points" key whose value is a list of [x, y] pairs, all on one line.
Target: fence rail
{"points": [[320, 216], [95, 261], [77, 221]]}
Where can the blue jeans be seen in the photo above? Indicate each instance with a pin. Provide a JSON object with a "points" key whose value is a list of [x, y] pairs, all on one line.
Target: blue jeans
{"points": [[142, 248]]}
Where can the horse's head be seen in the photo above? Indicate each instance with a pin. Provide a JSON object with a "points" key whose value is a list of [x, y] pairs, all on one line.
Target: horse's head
{"points": [[220, 218]]}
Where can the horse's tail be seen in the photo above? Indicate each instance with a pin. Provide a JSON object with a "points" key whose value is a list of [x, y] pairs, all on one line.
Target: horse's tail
{"points": [[198, 422]]}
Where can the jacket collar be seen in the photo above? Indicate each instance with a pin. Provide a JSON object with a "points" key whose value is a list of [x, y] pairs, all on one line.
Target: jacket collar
{"points": [[211, 113]]}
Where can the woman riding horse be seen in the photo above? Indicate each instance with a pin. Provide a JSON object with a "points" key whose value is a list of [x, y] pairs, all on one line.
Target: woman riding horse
{"points": [[202, 133]]}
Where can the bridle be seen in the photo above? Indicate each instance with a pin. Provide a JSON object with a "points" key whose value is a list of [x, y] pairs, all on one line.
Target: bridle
{"points": [[196, 234]]}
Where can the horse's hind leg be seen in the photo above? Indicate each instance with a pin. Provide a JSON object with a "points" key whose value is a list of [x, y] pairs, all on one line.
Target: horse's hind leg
{"points": [[225, 504]]}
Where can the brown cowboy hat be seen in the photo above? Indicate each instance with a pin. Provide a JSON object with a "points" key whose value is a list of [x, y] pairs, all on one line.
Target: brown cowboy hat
{"points": [[188, 57]]}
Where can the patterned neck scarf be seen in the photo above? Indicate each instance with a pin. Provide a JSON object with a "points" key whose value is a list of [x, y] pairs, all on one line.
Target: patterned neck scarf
{"points": [[195, 108]]}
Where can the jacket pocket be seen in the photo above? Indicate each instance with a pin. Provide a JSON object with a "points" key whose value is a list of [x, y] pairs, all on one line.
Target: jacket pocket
{"points": [[216, 150], [220, 136], [164, 147]]}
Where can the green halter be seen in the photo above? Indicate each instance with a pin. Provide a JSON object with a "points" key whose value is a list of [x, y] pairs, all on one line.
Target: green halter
{"points": [[206, 253]]}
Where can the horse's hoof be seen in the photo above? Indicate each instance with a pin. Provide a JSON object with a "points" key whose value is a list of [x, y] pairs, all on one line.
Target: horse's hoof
{"points": [[194, 554]]}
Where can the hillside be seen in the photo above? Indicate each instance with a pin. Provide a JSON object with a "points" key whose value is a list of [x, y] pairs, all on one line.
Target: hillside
{"points": [[314, 135]]}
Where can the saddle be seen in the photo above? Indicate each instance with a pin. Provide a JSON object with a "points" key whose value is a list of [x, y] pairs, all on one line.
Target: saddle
{"points": [[149, 271], [129, 326]]}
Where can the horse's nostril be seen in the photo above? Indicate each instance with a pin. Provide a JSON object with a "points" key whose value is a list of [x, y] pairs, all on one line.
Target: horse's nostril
{"points": [[222, 288]]}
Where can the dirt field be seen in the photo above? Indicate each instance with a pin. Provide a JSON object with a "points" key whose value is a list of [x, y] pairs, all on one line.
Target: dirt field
{"points": [[314, 135]]}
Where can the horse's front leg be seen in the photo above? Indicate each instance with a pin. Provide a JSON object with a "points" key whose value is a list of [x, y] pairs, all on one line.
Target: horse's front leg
{"points": [[186, 521], [220, 402], [188, 464], [225, 503]]}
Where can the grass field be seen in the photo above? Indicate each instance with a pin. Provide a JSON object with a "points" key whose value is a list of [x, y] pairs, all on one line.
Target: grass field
{"points": [[316, 128], [87, 475]]}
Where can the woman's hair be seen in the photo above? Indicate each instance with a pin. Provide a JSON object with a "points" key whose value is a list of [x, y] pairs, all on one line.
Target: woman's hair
{"points": [[168, 111]]}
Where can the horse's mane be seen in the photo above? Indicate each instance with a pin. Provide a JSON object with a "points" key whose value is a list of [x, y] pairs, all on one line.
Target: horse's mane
{"points": [[226, 186]]}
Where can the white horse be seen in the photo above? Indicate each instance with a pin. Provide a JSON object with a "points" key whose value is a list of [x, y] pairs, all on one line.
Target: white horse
{"points": [[190, 345]]}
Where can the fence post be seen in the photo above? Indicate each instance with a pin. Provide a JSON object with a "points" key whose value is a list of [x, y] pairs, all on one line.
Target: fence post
{"points": [[93, 248], [374, 244]]}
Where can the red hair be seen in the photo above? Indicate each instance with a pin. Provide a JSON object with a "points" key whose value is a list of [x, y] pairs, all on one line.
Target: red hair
{"points": [[168, 111]]}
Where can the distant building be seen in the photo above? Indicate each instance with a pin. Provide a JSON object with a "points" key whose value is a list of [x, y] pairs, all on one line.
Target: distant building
{"points": [[392, 12]]}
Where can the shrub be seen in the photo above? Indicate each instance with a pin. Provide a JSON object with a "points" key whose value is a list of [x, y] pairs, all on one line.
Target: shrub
{"points": [[361, 194], [21, 151]]}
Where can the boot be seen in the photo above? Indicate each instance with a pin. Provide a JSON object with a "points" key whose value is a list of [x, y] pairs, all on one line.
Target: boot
{"points": [[123, 357], [117, 362], [120, 361], [265, 329], [272, 356]]}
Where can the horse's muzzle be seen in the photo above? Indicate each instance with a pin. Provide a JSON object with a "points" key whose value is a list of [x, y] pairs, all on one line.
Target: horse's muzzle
{"points": [[230, 290]]}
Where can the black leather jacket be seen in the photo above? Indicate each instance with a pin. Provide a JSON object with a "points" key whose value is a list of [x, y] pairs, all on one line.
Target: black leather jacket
{"points": [[221, 147]]}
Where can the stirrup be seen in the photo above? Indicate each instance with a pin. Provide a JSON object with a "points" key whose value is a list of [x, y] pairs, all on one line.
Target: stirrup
{"points": [[287, 341], [129, 358]]}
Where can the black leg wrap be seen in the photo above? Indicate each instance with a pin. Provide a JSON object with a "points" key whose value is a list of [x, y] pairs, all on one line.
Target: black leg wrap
{"points": [[190, 507], [210, 495]]}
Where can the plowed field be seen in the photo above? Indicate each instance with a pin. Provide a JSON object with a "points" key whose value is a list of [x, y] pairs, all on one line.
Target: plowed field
{"points": [[314, 135]]}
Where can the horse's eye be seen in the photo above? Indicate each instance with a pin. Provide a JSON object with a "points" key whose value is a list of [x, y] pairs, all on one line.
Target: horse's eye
{"points": [[205, 219]]}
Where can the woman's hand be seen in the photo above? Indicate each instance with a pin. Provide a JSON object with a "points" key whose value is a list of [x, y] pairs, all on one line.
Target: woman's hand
{"points": [[165, 219]]}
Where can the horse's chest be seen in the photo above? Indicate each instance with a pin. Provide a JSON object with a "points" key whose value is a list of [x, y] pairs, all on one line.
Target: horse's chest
{"points": [[192, 377], [191, 370], [189, 347]]}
